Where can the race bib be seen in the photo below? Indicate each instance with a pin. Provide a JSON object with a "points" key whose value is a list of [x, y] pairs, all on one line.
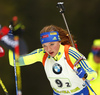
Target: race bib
{"points": [[60, 82]]}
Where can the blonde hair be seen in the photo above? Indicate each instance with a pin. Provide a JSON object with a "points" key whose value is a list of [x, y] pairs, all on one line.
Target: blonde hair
{"points": [[65, 40]]}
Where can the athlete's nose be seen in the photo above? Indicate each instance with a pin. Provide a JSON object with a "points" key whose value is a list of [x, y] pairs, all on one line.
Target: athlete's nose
{"points": [[49, 49]]}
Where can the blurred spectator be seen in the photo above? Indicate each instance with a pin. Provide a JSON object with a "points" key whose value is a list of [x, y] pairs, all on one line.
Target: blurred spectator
{"points": [[94, 61], [17, 27]]}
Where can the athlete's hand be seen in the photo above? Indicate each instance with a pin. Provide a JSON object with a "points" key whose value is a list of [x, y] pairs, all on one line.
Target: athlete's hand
{"points": [[81, 73]]}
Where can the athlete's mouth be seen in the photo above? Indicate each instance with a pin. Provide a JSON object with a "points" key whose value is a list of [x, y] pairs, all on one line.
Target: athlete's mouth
{"points": [[51, 53]]}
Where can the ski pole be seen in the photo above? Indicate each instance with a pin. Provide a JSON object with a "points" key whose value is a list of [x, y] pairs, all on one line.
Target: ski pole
{"points": [[17, 68], [62, 9], [15, 74], [3, 87], [14, 60], [86, 81], [16, 38]]}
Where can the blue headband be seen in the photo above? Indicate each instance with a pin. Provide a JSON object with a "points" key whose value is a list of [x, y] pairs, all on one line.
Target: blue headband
{"points": [[49, 37]]}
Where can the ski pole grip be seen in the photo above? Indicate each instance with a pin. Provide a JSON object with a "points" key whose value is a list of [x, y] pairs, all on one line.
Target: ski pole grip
{"points": [[75, 69], [61, 6]]}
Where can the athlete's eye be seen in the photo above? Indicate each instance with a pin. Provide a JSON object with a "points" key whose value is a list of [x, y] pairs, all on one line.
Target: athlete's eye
{"points": [[51, 44], [43, 45]]}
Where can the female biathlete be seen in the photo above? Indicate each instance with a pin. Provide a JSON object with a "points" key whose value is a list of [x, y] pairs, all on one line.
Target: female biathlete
{"points": [[58, 58]]}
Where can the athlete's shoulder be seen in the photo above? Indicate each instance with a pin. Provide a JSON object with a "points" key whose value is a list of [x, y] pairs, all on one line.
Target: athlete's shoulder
{"points": [[74, 51]]}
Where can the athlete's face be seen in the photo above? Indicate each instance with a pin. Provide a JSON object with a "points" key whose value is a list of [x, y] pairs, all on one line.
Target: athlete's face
{"points": [[51, 48]]}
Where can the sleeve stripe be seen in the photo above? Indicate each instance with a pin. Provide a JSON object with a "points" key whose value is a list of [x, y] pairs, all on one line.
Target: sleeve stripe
{"points": [[82, 63], [74, 54]]}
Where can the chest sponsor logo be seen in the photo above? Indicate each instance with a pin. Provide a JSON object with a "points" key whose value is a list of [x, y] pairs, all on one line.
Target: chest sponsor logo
{"points": [[57, 69]]}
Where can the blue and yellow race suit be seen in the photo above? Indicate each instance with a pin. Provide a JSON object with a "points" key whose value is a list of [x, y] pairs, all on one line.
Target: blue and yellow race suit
{"points": [[63, 79]]}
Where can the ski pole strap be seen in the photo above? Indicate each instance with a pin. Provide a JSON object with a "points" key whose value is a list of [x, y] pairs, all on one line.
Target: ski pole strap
{"points": [[79, 59], [76, 63]]}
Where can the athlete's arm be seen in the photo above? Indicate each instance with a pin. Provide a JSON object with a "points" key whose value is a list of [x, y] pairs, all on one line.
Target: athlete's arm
{"points": [[34, 56], [75, 55]]}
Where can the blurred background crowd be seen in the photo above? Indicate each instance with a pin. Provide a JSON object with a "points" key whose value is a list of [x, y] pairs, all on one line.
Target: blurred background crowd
{"points": [[83, 18]]}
